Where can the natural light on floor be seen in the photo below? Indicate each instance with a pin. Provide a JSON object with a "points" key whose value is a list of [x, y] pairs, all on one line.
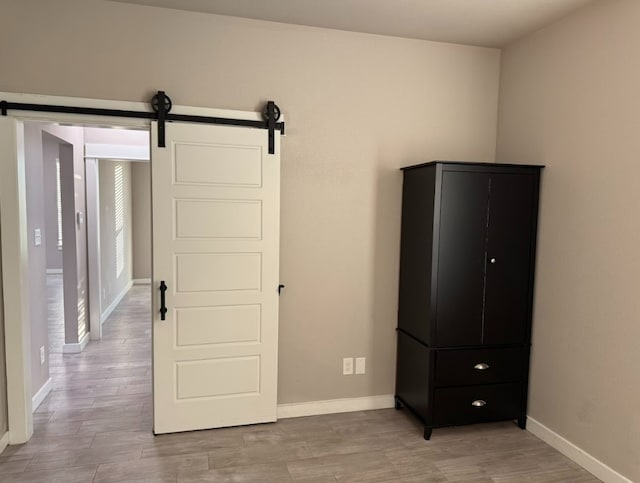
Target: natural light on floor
{"points": [[118, 175]]}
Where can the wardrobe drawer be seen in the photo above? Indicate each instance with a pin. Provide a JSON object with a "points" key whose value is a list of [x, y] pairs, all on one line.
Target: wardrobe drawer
{"points": [[476, 404], [478, 366]]}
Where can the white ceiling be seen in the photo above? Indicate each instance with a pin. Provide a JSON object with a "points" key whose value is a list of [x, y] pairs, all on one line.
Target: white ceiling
{"points": [[491, 23]]}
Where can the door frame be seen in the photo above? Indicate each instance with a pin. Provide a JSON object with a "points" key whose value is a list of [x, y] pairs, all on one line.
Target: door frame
{"points": [[15, 237]]}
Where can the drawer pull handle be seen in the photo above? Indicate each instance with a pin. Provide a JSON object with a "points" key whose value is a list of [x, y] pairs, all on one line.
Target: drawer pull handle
{"points": [[479, 403], [481, 366]]}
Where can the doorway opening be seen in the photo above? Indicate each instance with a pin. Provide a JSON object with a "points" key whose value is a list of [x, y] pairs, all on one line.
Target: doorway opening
{"points": [[223, 174], [88, 216]]}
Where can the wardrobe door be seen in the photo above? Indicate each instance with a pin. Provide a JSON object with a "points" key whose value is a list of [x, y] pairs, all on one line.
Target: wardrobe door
{"points": [[461, 258], [511, 217]]}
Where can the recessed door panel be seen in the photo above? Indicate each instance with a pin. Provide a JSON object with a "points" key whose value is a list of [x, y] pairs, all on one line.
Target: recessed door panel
{"points": [[462, 240], [218, 325], [509, 258], [218, 219], [211, 272], [232, 376], [217, 164]]}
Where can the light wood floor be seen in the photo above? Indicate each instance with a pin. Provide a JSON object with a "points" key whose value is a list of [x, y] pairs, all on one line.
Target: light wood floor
{"points": [[96, 426]]}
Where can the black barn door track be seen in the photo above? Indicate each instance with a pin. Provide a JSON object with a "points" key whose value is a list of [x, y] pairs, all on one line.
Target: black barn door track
{"points": [[161, 106]]}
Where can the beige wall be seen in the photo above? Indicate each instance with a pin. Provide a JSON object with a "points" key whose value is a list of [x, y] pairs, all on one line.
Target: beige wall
{"points": [[3, 369], [74, 234], [141, 213], [115, 230], [128, 137], [34, 147], [569, 99], [44, 143], [357, 106]]}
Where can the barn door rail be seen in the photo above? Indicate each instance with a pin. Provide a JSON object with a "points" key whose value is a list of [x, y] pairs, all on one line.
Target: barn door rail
{"points": [[161, 105]]}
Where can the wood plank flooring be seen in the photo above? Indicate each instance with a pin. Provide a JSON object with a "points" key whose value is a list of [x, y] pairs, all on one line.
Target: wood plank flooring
{"points": [[96, 426]]}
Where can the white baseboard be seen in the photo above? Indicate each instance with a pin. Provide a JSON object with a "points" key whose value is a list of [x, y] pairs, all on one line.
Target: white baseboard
{"points": [[77, 347], [54, 271], [141, 281], [42, 393], [313, 408], [4, 441], [107, 312], [574, 453]]}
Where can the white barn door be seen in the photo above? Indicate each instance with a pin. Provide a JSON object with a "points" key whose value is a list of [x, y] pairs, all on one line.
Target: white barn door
{"points": [[216, 205]]}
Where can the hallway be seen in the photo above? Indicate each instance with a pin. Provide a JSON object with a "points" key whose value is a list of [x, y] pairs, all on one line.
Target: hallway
{"points": [[106, 388]]}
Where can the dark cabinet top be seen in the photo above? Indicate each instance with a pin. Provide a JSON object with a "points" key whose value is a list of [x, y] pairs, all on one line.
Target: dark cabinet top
{"points": [[466, 165]]}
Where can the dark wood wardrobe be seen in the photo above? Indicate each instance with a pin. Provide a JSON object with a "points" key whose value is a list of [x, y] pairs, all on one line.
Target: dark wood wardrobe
{"points": [[467, 262]]}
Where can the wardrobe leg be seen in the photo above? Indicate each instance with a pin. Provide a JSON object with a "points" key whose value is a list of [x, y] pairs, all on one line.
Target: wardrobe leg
{"points": [[522, 422], [427, 433], [397, 404]]}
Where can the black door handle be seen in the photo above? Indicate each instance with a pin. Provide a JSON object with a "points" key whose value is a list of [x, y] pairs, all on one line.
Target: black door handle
{"points": [[163, 305]]}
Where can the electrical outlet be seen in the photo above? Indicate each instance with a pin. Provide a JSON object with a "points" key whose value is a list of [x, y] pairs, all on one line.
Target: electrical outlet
{"points": [[360, 364], [347, 366], [42, 355]]}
